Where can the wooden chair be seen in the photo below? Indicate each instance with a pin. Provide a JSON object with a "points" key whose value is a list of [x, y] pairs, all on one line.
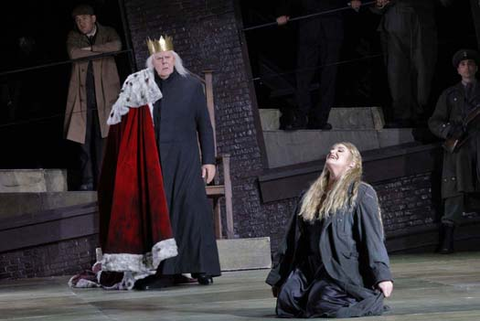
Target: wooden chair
{"points": [[216, 189]]}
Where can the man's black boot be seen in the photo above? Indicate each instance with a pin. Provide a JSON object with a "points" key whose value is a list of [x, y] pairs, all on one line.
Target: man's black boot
{"points": [[447, 239], [203, 278]]}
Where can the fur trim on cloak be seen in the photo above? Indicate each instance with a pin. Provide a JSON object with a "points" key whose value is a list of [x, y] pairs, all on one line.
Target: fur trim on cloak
{"points": [[134, 267], [139, 89], [140, 263]]}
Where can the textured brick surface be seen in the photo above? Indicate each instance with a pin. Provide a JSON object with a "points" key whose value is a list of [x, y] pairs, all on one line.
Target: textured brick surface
{"points": [[63, 258], [407, 202]]}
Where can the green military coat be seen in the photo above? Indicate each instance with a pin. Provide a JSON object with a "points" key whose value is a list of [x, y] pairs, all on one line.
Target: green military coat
{"points": [[460, 170]]}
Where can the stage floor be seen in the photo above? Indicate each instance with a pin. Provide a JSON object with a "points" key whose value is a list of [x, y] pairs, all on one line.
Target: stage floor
{"points": [[427, 287]]}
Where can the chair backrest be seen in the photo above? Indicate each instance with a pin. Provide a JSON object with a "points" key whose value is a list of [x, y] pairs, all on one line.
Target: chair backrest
{"points": [[207, 82]]}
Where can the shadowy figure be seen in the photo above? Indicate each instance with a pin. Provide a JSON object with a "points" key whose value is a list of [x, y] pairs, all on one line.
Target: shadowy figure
{"points": [[319, 42]]}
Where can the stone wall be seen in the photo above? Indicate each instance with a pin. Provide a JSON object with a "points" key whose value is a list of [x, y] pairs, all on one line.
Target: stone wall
{"points": [[61, 258], [408, 202]]}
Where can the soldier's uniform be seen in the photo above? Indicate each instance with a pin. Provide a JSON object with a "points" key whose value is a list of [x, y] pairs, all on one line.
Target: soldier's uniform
{"points": [[461, 168]]}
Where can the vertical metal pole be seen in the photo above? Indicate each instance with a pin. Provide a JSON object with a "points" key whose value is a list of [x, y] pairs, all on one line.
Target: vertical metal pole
{"points": [[127, 34], [475, 4]]}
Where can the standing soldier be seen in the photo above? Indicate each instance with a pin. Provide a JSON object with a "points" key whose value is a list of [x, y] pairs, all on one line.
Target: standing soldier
{"points": [[457, 120]]}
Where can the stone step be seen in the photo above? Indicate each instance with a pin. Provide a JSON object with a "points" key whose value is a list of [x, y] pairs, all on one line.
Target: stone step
{"points": [[244, 254], [270, 119], [16, 204], [33, 180], [295, 147], [340, 118]]}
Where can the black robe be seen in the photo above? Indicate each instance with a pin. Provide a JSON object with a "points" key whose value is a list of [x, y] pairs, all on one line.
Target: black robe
{"points": [[179, 116], [353, 261]]}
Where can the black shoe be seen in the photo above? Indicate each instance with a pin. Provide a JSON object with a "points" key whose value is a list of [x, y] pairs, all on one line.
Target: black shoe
{"points": [[300, 122], [86, 187], [403, 123], [287, 118], [204, 279], [153, 282], [447, 239]]}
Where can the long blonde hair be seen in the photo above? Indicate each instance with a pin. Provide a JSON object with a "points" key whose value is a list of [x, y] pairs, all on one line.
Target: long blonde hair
{"points": [[319, 201]]}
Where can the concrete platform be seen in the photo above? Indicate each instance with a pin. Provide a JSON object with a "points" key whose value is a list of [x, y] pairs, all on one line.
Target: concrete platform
{"points": [[16, 204], [294, 147], [427, 287], [340, 118], [33, 180]]}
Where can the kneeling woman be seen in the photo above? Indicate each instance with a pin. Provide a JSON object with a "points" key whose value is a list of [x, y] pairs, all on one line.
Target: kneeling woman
{"points": [[333, 261]]}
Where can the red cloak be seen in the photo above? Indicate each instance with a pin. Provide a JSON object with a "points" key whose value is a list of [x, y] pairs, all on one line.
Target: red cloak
{"points": [[135, 231]]}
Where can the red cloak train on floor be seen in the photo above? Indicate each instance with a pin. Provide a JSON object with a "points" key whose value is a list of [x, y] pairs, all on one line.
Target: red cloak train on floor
{"points": [[135, 230]]}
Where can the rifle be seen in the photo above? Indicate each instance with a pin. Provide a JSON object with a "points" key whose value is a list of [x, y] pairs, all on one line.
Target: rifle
{"points": [[452, 145]]}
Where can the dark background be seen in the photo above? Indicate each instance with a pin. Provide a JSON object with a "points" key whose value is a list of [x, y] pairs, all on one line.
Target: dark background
{"points": [[361, 79], [34, 79], [33, 101]]}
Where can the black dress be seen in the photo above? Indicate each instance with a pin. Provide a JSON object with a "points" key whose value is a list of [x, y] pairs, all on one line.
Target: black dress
{"points": [[331, 268], [309, 291], [179, 117]]}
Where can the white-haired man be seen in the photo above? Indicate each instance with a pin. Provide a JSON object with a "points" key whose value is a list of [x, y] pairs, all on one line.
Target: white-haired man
{"points": [[180, 115]]}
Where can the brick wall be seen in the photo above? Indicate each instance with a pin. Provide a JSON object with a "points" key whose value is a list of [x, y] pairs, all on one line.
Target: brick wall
{"points": [[61, 258], [408, 202]]}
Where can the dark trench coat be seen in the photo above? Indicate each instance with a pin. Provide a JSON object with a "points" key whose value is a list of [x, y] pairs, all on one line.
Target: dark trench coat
{"points": [[461, 169], [352, 252]]}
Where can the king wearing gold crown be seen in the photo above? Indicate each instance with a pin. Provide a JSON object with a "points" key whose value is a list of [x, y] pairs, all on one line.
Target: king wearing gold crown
{"points": [[162, 44], [154, 175]]}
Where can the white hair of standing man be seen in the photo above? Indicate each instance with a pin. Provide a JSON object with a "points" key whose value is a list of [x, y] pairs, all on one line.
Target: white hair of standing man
{"points": [[178, 64]]}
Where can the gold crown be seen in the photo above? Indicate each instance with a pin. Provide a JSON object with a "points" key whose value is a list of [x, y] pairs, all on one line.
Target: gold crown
{"points": [[160, 45]]}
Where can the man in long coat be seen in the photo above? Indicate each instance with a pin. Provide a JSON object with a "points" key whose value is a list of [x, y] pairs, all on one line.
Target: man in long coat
{"points": [[409, 39], [179, 117], [134, 228], [461, 165], [320, 40], [182, 123], [94, 87]]}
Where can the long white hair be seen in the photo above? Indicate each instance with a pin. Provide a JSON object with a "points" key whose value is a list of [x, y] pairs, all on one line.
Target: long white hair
{"points": [[319, 201], [178, 64]]}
